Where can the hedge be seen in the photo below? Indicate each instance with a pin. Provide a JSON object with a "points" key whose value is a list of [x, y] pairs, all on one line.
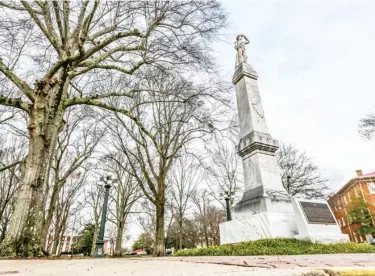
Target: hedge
{"points": [[278, 247]]}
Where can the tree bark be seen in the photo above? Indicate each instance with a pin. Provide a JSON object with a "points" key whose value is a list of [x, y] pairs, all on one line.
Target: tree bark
{"points": [[180, 234], [4, 228], [206, 236], [45, 118], [119, 235], [160, 235], [23, 238], [56, 242], [94, 239]]}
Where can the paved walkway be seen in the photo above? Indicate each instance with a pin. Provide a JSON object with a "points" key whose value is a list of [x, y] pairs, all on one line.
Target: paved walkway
{"points": [[190, 266]]}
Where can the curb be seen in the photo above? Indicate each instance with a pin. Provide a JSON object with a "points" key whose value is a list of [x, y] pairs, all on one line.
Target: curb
{"points": [[342, 271]]}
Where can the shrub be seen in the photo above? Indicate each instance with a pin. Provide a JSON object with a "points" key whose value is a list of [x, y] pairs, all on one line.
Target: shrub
{"points": [[278, 247]]}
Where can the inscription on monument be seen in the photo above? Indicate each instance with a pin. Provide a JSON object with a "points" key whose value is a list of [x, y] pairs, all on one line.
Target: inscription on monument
{"points": [[317, 213]]}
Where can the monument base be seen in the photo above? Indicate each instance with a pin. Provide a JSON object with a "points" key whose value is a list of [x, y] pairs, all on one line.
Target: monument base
{"points": [[258, 226], [280, 216], [338, 238]]}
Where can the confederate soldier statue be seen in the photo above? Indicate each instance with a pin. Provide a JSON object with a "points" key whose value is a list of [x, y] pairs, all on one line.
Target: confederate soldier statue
{"points": [[239, 45]]}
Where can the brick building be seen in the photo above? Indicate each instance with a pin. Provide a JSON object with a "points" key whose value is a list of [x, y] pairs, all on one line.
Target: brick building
{"points": [[65, 245], [342, 203]]}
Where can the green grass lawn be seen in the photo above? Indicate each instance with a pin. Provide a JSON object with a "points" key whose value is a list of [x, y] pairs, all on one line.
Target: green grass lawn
{"points": [[278, 247]]}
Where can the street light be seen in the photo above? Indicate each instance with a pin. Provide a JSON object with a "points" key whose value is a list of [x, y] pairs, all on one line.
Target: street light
{"points": [[227, 196], [107, 183]]}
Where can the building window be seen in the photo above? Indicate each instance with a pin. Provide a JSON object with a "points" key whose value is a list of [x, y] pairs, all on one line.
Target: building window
{"points": [[371, 187], [338, 203]]}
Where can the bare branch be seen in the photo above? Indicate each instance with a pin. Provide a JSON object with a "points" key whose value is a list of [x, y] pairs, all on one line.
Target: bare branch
{"points": [[22, 85], [14, 102]]}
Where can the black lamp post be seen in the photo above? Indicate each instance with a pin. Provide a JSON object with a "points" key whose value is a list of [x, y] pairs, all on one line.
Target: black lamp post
{"points": [[227, 196], [107, 182]]}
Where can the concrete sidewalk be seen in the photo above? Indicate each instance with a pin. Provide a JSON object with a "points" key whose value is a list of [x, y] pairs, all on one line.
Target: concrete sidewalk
{"points": [[192, 266], [282, 262]]}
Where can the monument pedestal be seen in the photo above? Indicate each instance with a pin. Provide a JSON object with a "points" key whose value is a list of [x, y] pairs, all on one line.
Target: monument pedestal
{"points": [[315, 222], [258, 226]]}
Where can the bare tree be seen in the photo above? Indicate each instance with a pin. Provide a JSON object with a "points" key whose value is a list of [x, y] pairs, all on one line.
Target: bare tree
{"points": [[162, 130], [127, 193], [147, 220], [66, 199], [367, 126], [10, 153], [74, 49], [207, 217], [223, 170], [300, 176], [185, 177], [74, 147], [94, 195]]}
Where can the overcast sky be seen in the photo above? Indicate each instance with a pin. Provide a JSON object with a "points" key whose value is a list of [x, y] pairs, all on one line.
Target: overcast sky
{"points": [[315, 62]]}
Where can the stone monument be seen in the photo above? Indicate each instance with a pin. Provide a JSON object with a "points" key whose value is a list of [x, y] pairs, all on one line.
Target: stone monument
{"points": [[316, 222], [266, 209]]}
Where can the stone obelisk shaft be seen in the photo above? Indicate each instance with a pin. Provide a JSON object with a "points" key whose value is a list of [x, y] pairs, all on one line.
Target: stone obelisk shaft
{"points": [[256, 147]]}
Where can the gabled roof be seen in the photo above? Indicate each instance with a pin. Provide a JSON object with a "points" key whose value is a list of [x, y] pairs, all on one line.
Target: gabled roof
{"points": [[368, 176]]}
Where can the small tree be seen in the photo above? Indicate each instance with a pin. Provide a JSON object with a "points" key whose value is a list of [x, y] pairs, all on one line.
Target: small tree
{"points": [[127, 193], [183, 181], [143, 242], [224, 172], [182, 237], [363, 216], [300, 176], [84, 241], [367, 126], [207, 218]]}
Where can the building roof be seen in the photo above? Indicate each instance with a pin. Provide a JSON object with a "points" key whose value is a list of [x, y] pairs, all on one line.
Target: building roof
{"points": [[369, 175], [360, 176]]}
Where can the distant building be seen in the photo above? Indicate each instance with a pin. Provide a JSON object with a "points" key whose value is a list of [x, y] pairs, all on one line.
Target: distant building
{"points": [[358, 189], [65, 245]]}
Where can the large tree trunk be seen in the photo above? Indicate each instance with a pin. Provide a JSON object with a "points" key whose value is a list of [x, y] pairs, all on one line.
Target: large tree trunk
{"points": [[23, 237], [45, 120], [119, 235], [206, 236], [56, 242], [160, 235], [4, 227], [180, 234], [95, 238]]}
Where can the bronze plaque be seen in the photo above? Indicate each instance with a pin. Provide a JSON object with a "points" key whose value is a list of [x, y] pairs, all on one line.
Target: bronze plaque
{"points": [[317, 213]]}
